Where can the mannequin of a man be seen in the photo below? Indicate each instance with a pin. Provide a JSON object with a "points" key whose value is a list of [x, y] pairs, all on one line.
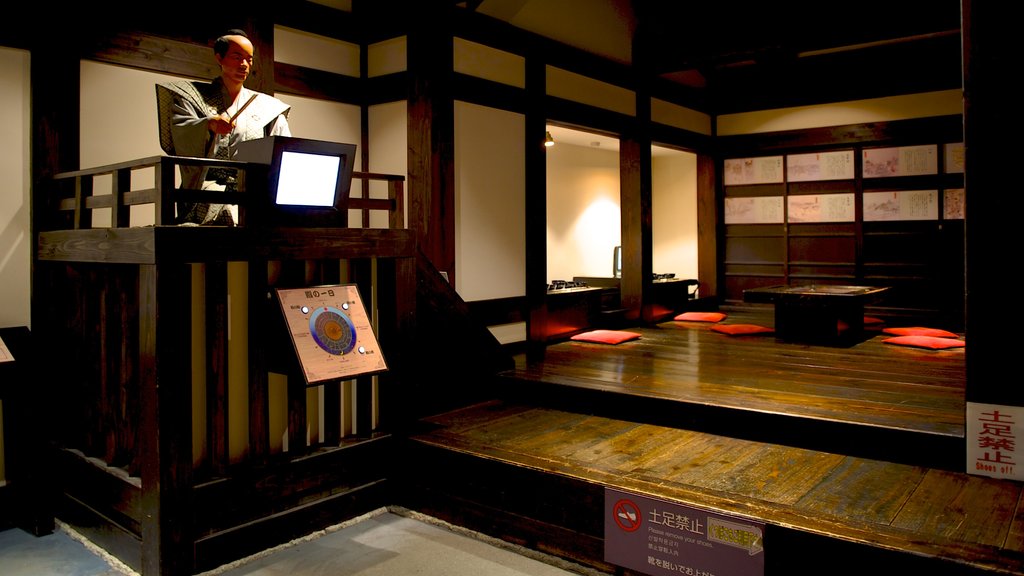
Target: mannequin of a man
{"points": [[209, 119]]}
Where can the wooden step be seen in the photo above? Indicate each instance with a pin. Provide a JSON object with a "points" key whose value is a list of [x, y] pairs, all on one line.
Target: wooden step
{"points": [[536, 476]]}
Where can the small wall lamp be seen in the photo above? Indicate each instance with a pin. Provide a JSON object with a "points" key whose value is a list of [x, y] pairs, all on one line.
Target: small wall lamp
{"points": [[548, 140]]}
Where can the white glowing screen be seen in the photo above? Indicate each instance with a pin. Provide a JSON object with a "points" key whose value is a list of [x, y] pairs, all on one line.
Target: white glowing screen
{"points": [[307, 179]]}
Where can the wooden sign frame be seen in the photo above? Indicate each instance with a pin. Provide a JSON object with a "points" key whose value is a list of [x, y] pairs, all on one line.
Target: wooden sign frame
{"points": [[331, 332]]}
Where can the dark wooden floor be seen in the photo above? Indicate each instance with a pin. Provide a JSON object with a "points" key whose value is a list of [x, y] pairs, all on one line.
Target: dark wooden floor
{"points": [[869, 398], [781, 432]]}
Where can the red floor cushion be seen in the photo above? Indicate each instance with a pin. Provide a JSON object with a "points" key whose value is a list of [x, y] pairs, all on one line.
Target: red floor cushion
{"points": [[606, 336], [701, 317], [920, 331], [932, 342], [741, 329]]}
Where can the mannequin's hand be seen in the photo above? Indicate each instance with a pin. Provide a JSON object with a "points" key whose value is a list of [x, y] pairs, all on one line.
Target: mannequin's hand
{"points": [[220, 124]]}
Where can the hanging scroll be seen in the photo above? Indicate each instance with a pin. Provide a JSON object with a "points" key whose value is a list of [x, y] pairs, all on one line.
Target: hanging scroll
{"points": [[902, 205], [821, 208], [760, 210], [820, 166], [901, 161], [763, 170], [953, 204], [953, 156]]}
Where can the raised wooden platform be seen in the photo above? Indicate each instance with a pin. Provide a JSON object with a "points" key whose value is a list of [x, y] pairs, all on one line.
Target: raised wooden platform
{"points": [[869, 398], [851, 455]]}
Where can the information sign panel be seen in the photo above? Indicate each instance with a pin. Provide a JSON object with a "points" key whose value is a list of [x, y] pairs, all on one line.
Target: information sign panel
{"points": [[656, 537], [332, 334]]}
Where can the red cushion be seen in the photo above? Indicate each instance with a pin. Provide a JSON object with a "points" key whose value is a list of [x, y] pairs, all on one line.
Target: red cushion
{"points": [[933, 342], [701, 317], [920, 331], [872, 321], [605, 336], [740, 329]]}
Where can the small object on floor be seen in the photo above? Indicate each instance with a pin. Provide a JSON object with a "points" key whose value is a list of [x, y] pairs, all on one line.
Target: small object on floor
{"points": [[741, 329], [701, 317], [605, 336], [931, 342], [872, 323], [920, 331]]}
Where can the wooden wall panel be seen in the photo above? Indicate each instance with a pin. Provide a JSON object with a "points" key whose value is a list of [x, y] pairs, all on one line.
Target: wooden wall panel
{"points": [[921, 260]]}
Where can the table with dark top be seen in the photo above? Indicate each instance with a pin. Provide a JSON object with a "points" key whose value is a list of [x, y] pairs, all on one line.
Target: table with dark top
{"points": [[817, 313]]}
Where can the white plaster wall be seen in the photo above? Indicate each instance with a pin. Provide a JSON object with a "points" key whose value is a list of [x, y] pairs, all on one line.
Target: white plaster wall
{"points": [[15, 205], [583, 217], [490, 192], [386, 57], [674, 213], [118, 124], [388, 129], [488, 63], [579, 88], [839, 113], [303, 48]]}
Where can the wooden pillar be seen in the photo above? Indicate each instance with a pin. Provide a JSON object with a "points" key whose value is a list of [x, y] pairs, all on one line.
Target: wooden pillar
{"points": [[636, 221], [536, 167], [431, 136], [261, 34], [708, 255], [636, 191], [995, 401], [55, 129], [55, 104], [992, 208], [28, 498], [165, 436]]}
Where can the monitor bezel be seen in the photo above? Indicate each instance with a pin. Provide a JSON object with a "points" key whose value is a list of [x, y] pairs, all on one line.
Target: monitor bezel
{"points": [[343, 185], [269, 151]]}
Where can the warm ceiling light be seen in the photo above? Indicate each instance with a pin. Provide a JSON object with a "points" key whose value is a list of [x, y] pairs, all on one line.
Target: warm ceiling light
{"points": [[548, 140]]}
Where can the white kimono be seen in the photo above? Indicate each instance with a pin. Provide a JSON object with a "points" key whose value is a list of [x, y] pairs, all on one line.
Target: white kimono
{"points": [[183, 109]]}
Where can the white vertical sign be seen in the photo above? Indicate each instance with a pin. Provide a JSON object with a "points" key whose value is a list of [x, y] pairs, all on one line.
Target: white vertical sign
{"points": [[992, 434]]}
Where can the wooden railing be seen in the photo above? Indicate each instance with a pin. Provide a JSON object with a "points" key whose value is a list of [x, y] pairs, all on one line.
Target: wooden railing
{"points": [[77, 195]]}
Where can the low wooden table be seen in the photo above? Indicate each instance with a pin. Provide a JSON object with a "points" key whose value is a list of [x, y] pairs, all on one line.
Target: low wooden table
{"points": [[817, 313]]}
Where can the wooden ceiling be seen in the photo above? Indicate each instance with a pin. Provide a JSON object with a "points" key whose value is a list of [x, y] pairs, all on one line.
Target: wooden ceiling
{"points": [[739, 56], [724, 56]]}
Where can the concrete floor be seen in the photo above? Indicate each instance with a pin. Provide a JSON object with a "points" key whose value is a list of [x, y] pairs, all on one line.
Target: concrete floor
{"points": [[385, 542]]}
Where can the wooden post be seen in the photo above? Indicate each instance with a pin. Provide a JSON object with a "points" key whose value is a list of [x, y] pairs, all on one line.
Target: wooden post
{"points": [[166, 437], [431, 138]]}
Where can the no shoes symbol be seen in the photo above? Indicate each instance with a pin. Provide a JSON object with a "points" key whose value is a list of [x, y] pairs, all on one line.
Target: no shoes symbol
{"points": [[627, 515]]}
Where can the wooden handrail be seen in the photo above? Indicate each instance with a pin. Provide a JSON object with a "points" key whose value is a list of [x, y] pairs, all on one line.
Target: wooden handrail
{"points": [[74, 197]]}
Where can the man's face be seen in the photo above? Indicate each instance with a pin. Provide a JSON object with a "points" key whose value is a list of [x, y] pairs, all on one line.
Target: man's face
{"points": [[237, 61]]}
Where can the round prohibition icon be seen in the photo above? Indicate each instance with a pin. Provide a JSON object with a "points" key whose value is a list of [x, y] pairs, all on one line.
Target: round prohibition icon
{"points": [[627, 515]]}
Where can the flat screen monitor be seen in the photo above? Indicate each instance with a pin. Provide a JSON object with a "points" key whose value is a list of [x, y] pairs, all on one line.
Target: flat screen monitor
{"points": [[307, 181]]}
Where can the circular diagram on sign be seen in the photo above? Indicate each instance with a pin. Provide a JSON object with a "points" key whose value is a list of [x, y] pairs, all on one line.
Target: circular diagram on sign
{"points": [[333, 330]]}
